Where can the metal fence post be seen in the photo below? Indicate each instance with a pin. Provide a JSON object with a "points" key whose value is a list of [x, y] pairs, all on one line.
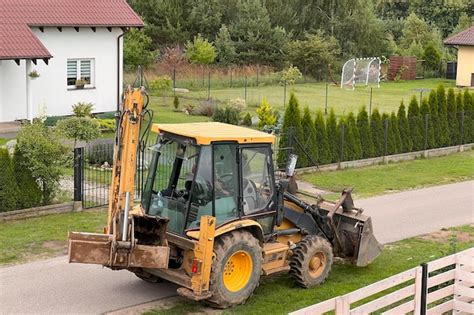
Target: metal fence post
{"points": [[209, 85], [426, 132], [385, 138], [78, 175], [424, 288]]}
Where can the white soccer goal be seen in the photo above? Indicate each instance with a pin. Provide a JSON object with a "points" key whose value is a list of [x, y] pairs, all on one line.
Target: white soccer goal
{"points": [[358, 71]]}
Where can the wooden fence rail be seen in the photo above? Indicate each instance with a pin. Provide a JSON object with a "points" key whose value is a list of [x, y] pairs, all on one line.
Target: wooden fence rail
{"points": [[443, 285]]}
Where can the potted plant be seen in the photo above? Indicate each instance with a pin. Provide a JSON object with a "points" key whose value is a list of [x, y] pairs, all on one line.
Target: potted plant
{"points": [[34, 74], [80, 83]]}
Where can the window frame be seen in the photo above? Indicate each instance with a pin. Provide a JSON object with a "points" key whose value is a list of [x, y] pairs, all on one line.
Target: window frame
{"points": [[78, 72]]}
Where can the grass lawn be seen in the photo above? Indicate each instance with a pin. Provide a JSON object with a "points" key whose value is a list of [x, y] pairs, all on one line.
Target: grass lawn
{"points": [[3, 141], [280, 295], [46, 236], [382, 179], [386, 98]]}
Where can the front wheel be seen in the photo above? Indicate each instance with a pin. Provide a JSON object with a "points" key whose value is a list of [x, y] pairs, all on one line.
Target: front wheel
{"points": [[236, 269], [311, 261]]}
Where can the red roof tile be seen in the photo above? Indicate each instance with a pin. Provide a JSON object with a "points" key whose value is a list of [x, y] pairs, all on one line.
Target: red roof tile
{"points": [[464, 38], [17, 41]]}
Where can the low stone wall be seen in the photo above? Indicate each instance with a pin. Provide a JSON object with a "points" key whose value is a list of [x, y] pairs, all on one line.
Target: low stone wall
{"points": [[386, 159], [36, 211]]}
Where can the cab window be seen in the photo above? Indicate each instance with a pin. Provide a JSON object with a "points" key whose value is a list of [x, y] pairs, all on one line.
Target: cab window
{"points": [[257, 183]]}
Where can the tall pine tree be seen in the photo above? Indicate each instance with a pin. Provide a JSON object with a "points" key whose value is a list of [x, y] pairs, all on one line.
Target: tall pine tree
{"points": [[426, 117], [333, 137], [291, 130], [434, 118], [309, 143], [364, 132], [8, 186], [322, 143], [452, 117], [444, 134], [377, 132], [415, 125], [404, 129]]}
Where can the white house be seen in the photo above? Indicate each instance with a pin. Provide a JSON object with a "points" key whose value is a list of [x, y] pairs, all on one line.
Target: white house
{"points": [[63, 41]]}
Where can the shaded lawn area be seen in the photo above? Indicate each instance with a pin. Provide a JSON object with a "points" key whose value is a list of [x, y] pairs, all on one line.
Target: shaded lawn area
{"points": [[46, 236], [279, 295], [382, 179]]}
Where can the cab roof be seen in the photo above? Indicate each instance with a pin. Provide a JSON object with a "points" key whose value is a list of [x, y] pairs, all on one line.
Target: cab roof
{"points": [[206, 132]]}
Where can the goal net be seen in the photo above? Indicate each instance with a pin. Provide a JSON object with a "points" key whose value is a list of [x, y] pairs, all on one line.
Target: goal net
{"points": [[360, 71]]}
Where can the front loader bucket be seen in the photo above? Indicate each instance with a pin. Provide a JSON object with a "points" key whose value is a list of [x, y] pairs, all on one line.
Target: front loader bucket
{"points": [[355, 234]]}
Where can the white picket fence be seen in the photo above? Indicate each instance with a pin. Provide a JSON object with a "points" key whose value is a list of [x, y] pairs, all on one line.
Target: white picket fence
{"points": [[448, 290]]}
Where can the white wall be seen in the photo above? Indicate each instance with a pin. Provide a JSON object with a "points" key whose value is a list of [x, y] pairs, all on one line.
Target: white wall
{"points": [[12, 90], [50, 89]]}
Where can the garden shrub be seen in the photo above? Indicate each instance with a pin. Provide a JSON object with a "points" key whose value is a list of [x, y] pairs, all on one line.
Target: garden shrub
{"points": [[352, 146], [468, 106], [29, 193], [79, 128], [176, 102], [309, 142], [333, 137], [265, 114], [247, 121], [99, 153], [8, 186], [160, 84], [415, 123], [228, 115], [434, 118], [82, 109], [404, 129], [324, 154], [444, 134], [453, 124], [106, 124], [394, 131], [377, 132], [206, 108], [291, 129], [425, 112]]}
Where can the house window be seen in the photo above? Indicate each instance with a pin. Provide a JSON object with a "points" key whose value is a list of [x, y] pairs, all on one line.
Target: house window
{"points": [[80, 70]]}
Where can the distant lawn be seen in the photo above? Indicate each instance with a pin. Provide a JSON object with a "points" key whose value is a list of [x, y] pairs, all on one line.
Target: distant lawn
{"points": [[279, 295], [3, 141], [381, 179], [46, 236]]}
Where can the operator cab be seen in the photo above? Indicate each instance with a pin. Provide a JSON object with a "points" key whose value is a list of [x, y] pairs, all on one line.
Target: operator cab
{"points": [[210, 169]]}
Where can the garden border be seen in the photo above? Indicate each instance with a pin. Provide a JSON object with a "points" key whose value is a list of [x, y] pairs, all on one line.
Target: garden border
{"points": [[36, 211]]}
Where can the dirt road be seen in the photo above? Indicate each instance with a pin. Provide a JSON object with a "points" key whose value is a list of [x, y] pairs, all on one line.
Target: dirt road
{"points": [[55, 287]]}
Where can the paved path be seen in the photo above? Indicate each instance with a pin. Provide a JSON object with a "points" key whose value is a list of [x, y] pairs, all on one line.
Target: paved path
{"points": [[55, 287], [415, 212]]}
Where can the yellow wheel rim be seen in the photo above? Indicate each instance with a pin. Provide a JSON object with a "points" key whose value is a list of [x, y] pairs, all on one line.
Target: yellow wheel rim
{"points": [[317, 264], [237, 271]]}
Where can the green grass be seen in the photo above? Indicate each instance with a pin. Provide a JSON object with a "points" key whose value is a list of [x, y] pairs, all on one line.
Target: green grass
{"points": [[3, 141], [280, 295], [381, 179], [45, 236]]}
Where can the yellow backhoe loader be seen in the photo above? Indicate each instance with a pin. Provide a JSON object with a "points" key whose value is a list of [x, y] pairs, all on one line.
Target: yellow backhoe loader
{"points": [[212, 217]]}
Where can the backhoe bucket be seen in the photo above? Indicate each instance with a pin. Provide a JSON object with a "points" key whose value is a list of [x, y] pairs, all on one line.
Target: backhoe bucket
{"points": [[369, 247]]}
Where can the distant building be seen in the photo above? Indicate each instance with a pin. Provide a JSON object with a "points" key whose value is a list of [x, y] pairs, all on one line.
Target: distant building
{"points": [[464, 41], [74, 45]]}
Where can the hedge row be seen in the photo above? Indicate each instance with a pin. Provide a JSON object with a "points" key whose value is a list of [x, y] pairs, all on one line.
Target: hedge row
{"points": [[442, 119]]}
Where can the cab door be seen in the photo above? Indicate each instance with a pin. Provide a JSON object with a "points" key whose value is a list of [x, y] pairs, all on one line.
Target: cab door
{"points": [[258, 185]]}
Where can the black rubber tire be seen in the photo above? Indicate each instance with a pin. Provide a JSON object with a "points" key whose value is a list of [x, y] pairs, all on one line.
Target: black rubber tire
{"points": [[302, 255], [224, 247], [148, 277]]}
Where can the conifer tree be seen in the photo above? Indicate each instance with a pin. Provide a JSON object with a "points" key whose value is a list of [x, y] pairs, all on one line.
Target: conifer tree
{"points": [[434, 118], [353, 144], [342, 144], [291, 131], [459, 114], [468, 107], [309, 142], [364, 132], [415, 125], [395, 132], [29, 193], [333, 137], [426, 118], [404, 129], [390, 136], [444, 135], [324, 156], [8, 186], [452, 117], [377, 132]]}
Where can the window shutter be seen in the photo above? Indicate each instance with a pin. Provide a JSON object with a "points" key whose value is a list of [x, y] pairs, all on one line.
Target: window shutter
{"points": [[86, 70], [71, 72]]}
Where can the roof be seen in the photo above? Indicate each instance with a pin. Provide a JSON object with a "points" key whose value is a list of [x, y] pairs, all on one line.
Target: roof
{"points": [[17, 41], [464, 38], [207, 132]]}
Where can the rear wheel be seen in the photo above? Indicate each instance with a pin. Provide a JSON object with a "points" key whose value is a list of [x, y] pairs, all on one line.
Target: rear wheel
{"points": [[235, 270], [146, 276], [311, 261]]}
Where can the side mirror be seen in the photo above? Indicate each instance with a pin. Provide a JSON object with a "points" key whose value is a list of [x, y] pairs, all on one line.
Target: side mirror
{"points": [[291, 165], [282, 186]]}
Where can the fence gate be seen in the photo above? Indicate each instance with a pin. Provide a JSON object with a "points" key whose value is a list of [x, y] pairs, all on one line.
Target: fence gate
{"points": [[93, 173]]}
